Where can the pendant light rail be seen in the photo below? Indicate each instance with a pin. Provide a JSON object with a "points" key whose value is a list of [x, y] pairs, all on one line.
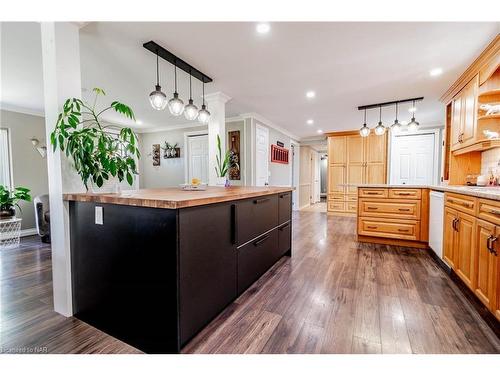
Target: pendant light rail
{"points": [[176, 61], [387, 104]]}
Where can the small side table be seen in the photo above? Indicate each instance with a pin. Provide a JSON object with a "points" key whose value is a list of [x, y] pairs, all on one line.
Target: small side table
{"points": [[10, 230]]}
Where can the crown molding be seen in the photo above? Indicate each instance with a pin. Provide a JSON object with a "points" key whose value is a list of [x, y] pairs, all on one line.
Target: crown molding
{"points": [[166, 128], [24, 110], [218, 96], [265, 121]]}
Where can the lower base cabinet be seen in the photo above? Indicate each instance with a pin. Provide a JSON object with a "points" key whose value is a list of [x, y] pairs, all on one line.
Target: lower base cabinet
{"points": [[486, 263]]}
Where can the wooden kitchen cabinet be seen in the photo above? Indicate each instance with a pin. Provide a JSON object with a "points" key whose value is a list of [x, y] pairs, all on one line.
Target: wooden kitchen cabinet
{"points": [[464, 243], [464, 116], [449, 236], [486, 263], [354, 160], [456, 118]]}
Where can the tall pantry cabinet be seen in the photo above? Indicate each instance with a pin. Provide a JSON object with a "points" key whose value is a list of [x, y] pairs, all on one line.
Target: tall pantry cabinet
{"points": [[353, 159]]}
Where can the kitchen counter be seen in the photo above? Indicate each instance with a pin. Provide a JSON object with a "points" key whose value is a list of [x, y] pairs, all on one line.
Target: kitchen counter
{"points": [[174, 198], [152, 267], [487, 192]]}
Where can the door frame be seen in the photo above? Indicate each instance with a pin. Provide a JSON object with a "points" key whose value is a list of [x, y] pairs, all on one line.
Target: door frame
{"points": [[295, 173], [187, 152], [262, 126], [437, 142]]}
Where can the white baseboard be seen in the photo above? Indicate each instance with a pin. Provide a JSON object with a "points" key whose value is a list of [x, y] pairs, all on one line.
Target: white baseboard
{"points": [[28, 232]]}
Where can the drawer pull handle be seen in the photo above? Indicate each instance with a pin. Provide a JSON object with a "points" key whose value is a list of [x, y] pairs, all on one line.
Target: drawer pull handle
{"points": [[404, 209], [371, 227], [261, 241], [284, 195], [261, 200], [403, 230], [372, 208], [372, 193], [404, 193], [490, 244], [284, 226], [495, 212], [465, 204]]}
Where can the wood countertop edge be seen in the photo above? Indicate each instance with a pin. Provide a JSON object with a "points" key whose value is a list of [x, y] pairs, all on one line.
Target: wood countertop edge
{"points": [[166, 203]]}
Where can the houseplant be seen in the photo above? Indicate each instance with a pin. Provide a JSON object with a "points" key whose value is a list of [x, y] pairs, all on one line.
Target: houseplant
{"points": [[222, 164], [98, 151], [10, 198]]}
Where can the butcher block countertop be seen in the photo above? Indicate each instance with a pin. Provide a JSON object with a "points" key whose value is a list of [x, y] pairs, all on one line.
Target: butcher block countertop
{"points": [[174, 198], [486, 192]]}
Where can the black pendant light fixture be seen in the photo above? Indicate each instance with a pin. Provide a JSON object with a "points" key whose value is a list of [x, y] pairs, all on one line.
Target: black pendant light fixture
{"points": [[413, 125], [176, 105], [396, 127], [190, 111], [365, 130], [203, 114], [157, 98], [380, 128]]}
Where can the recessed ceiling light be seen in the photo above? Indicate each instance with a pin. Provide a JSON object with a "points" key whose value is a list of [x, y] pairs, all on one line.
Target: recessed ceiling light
{"points": [[436, 72], [320, 131], [310, 94], [263, 28], [310, 122], [138, 122]]}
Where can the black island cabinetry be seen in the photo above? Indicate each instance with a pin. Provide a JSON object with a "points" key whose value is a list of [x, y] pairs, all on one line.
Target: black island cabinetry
{"points": [[154, 277]]}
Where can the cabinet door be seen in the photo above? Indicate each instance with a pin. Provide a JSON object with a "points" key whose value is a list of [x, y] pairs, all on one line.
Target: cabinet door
{"points": [[449, 235], [375, 173], [469, 102], [336, 178], [207, 265], [484, 271], [355, 175], [376, 146], [456, 122], [355, 149], [337, 150], [464, 266]]}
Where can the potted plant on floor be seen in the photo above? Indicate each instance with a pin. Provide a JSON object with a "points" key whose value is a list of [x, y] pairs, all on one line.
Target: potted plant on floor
{"points": [[9, 199], [99, 151], [222, 165]]}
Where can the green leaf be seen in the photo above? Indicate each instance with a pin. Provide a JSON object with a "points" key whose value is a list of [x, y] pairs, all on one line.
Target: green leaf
{"points": [[130, 179], [99, 91]]}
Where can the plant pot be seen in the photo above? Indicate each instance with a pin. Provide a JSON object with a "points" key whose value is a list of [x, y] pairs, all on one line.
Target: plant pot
{"points": [[221, 181], [7, 213]]}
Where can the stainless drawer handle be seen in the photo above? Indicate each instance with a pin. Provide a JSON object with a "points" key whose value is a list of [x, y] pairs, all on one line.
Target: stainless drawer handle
{"points": [[261, 241], [261, 200]]}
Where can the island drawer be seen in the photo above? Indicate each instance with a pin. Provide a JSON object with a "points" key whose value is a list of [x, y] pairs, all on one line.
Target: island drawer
{"points": [[284, 207], [405, 193], [391, 208], [255, 258], [256, 216], [461, 202], [389, 228], [489, 210], [284, 238], [372, 193]]}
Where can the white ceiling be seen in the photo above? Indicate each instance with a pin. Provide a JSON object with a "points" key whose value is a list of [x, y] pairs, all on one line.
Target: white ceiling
{"points": [[347, 64]]}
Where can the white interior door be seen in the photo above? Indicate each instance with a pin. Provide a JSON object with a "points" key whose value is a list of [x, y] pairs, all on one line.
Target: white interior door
{"points": [[412, 159], [198, 157], [261, 155]]}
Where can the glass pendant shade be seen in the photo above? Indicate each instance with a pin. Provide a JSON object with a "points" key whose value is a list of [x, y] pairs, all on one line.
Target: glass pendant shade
{"points": [[190, 111], [396, 127], [413, 125], [176, 105], [203, 115], [364, 131], [380, 129], [158, 99]]}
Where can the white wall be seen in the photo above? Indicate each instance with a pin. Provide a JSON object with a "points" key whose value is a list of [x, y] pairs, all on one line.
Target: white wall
{"points": [[170, 172], [29, 169]]}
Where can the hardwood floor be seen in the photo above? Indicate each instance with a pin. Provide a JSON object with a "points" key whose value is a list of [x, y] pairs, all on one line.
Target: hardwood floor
{"points": [[333, 296]]}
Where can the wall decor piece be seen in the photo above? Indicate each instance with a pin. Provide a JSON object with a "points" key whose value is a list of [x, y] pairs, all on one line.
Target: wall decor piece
{"points": [[279, 143], [156, 155], [171, 151], [234, 148], [279, 154]]}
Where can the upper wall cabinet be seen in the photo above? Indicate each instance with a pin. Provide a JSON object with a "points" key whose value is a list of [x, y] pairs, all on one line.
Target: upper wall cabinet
{"points": [[474, 100]]}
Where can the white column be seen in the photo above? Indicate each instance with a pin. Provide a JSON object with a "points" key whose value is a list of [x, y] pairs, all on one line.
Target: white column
{"points": [[216, 103], [61, 80]]}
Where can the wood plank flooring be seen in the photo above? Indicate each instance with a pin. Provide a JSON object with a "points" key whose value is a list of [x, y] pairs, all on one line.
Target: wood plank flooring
{"points": [[333, 296]]}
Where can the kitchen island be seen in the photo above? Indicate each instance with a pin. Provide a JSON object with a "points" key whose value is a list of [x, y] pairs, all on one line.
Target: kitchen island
{"points": [[152, 267]]}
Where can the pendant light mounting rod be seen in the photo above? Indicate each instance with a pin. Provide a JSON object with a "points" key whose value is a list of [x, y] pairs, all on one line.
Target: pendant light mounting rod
{"points": [[174, 60], [386, 104]]}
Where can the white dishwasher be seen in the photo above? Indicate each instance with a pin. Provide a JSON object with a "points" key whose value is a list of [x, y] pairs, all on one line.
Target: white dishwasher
{"points": [[436, 218]]}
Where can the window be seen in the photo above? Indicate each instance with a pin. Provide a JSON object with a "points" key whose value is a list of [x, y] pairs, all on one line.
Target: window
{"points": [[5, 158]]}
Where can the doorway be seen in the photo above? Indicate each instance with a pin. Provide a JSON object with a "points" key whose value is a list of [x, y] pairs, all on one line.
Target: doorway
{"points": [[413, 159], [323, 172], [197, 160], [261, 156]]}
